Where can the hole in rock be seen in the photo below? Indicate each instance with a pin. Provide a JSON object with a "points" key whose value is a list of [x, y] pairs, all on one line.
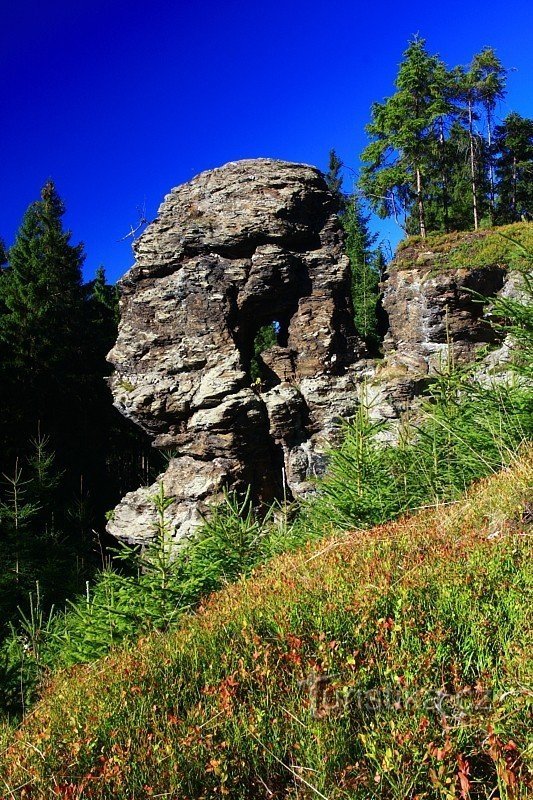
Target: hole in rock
{"points": [[267, 336]]}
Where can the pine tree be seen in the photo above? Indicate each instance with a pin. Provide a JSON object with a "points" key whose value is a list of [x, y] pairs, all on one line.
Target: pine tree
{"points": [[364, 262], [514, 168], [398, 159], [334, 178]]}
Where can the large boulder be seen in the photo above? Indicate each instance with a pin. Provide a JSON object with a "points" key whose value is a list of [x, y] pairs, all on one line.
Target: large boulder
{"points": [[251, 243]]}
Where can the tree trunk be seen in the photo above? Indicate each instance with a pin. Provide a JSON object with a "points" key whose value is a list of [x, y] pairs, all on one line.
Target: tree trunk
{"points": [[473, 164], [445, 197], [491, 166], [513, 196], [420, 202]]}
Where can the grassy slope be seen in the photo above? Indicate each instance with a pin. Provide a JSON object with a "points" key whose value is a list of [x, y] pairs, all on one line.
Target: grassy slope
{"points": [[229, 704], [481, 248]]}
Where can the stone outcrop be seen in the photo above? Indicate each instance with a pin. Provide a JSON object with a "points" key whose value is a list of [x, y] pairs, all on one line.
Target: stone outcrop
{"points": [[429, 312], [252, 243], [237, 248], [432, 316]]}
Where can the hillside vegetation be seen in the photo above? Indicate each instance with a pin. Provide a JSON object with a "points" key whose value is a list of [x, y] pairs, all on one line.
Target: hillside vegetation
{"points": [[382, 655], [392, 663], [482, 248]]}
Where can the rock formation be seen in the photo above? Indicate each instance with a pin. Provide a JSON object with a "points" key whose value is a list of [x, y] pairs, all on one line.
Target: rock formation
{"points": [[432, 316], [252, 243]]}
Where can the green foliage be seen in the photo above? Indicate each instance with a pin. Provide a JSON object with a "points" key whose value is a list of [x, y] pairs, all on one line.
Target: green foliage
{"points": [[402, 130], [366, 265], [468, 431], [514, 168], [21, 656], [42, 293], [32, 547], [483, 84], [435, 160], [158, 585], [265, 337]]}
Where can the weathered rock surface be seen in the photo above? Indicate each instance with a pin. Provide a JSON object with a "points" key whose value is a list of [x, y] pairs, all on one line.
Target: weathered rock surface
{"points": [[428, 312], [432, 317], [233, 250], [236, 248]]}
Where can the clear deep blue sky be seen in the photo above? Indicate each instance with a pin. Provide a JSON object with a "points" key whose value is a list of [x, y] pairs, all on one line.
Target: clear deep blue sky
{"points": [[120, 100]]}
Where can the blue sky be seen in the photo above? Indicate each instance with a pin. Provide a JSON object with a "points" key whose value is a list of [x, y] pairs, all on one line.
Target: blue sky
{"points": [[119, 100]]}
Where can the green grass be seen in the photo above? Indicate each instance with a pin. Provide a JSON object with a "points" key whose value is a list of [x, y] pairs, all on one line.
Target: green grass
{"points": [[466, 249], [389, 663]]}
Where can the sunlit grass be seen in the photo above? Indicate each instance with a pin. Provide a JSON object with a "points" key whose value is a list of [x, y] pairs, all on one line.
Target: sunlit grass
{"points": [[482, 248], [388, 663]]}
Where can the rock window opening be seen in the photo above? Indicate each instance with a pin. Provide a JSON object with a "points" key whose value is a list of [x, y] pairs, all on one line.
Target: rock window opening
{"points": [[267, 336]]}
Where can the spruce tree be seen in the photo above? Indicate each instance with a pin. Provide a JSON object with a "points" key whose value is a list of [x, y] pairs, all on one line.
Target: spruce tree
{"points": [[514, 168], [398, 159], [42, 291], [40, 328]]}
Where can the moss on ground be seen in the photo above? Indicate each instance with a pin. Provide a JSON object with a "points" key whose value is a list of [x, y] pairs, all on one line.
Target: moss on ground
{"points": [[466, 249]]}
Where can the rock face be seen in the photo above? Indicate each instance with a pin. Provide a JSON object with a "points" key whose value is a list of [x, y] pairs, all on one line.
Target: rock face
{"points": [[253, 243], [237, 248], [428, 312], [431, 317]]}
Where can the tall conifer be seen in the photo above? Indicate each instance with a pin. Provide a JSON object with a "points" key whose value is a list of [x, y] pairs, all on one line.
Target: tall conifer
{"points": [[40, 330], [402, 129]]}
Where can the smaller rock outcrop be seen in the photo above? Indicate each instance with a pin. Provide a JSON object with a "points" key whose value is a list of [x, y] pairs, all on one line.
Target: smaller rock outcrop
{"points": [[435, 316], [428, 314]]}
